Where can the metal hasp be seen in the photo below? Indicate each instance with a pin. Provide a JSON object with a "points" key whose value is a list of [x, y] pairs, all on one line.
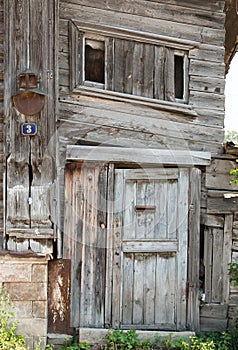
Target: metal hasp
{"points": [[29, 100]]}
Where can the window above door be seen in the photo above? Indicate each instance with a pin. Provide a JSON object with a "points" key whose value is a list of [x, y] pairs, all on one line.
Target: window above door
{"points": [[127, 65]]}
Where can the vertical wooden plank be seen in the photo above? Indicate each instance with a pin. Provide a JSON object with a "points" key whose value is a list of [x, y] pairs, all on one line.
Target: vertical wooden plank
{"points": [[138, 290], [172, 199], [138, 69], [87, 301], [17, 147], [109, 246], [169, 75], [119, 68], [118, 231], [130, 217], [149, 289], [109, 64], [149, 62], [40, 209], [208, 246], [186, 78], [145, 221], [101, 246], [161, 210], [128, 65], [73, 235], [227, 250], [77, 244], [75, 42], [165, 291], [194, 249], [67, 244], [182, 247], [127, 288], [18, 214], [159, 73], [43, 151], [38, 25], [217, 271]]}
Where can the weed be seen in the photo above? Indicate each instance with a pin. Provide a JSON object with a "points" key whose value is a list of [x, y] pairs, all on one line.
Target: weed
{"points": [[8, 336], [75, 346]]}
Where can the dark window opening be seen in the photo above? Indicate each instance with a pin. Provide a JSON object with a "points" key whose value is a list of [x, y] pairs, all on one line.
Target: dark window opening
{"points": [[178, 76], [94, 61]]}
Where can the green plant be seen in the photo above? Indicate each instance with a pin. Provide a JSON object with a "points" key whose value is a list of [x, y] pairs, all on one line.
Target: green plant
{"points": [[233, 335], [233, 272], [200, 343], [118, 340], [75, 345], [9, 340], [84, 345], [231, 135], [40, 346], [171, 342], [49, 347], [234, 173]]}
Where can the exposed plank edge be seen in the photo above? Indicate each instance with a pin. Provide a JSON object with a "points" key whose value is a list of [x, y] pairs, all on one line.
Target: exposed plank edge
{"points": [[38, 233], [137, 155], [121, 97], [134, 34], [150, 247]]}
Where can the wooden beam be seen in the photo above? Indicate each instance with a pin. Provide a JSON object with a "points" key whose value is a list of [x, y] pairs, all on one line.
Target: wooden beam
{"points": [[137, 155], [136, 35], [38, 233]]}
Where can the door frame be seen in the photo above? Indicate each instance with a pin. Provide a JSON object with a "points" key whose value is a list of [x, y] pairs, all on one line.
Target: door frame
{"points": [[154, 158]]}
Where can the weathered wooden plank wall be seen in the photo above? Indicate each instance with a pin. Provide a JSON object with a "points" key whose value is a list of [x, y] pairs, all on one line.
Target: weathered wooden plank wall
{"points": [[30, 43], [1, 115], [84, 120], [95, 121], [231, 26], [219, 217]]}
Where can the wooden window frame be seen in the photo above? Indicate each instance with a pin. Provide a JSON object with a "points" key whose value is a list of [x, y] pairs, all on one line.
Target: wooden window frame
{"points": [[81, 31], [185, 76]]}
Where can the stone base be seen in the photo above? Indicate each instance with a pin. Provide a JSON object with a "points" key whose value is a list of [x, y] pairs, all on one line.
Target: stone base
{"points": [[96, 335], [25, 278]]}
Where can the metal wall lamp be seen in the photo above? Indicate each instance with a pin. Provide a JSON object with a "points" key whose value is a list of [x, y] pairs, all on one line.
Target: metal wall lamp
{"points": [[29, 99]]}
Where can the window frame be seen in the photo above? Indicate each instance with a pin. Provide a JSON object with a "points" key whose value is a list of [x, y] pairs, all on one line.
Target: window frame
{"points": [[81, 31], [185, 76]]}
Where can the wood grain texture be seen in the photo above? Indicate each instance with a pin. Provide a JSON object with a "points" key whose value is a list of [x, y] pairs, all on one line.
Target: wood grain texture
{"points": [[150, 156], [30, 163]]}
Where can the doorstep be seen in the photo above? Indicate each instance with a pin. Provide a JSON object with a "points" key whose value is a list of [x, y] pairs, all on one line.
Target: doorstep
{"points": [[96, 335]]}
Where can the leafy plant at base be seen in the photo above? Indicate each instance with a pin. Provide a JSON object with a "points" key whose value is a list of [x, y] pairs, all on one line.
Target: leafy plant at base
{"points": [[233, 272], [9, 340], [75, 346], [198, 343], [234, 173], [118, 339]]}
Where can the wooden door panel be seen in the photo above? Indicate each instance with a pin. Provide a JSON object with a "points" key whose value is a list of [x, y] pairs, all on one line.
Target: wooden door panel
{"points": [[85, 241], [145, 291], [153, 230], [126, 233], [165, 301]]}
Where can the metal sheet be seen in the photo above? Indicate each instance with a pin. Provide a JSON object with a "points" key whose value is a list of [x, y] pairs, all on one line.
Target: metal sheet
{"points": [[59, 297]]}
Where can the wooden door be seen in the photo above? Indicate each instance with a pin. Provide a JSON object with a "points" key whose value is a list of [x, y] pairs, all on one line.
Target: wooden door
{"points": [[150, 249], [126, 233]]}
